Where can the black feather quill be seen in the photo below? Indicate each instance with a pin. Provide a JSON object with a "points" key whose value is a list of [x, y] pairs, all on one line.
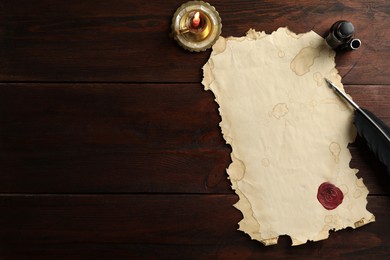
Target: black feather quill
{"points": [[377, 139], [371, 128]]}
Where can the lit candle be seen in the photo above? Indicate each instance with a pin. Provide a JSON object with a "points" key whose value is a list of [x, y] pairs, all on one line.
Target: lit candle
{"points": [[195, 21], [196, 25]]}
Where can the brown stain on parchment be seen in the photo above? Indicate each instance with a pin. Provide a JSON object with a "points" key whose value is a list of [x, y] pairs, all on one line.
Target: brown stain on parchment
{"points": [[332, 220], [279, 110], [335, 149], [219, 46], [359, 183], [265, 162], [344, 189], [318, 78], [304, 60], [364, 221], [292, 34], [357, 193], [359, 223], [236, 170]]}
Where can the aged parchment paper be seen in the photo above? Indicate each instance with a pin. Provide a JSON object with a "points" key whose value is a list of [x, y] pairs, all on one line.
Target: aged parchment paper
{"points": [[289, 134]]}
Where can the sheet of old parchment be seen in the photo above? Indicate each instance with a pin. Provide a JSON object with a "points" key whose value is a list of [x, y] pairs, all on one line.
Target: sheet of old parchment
{"points": [[289, 134]]}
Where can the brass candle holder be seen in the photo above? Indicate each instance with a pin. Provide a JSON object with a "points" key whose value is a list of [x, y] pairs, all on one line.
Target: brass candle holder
{"points": [[196, 25]]}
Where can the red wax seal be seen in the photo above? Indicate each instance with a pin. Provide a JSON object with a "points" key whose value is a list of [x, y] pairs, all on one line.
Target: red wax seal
{"points": [[329, 195]]}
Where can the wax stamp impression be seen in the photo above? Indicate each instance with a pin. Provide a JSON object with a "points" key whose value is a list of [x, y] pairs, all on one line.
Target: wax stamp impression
{"points": [[289, 135], [329, 195]]}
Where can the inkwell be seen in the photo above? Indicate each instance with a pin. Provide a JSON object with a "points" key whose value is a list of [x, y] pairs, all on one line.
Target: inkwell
{"points": [[341, 36]]}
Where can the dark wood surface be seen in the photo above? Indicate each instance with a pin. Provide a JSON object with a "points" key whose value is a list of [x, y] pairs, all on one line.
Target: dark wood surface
{"points": [[110, 147]]}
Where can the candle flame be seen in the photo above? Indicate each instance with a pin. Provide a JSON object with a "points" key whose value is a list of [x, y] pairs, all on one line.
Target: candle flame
{"points": [[196, 20], [196, 16]]}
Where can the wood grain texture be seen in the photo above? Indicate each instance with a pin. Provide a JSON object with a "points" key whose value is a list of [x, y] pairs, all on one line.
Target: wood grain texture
{"points": [[162, 226], [99, 138], [128, 41], [110, 148]]}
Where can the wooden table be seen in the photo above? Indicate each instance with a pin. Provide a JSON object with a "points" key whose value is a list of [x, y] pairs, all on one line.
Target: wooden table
{"points": [[110, 148]]}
